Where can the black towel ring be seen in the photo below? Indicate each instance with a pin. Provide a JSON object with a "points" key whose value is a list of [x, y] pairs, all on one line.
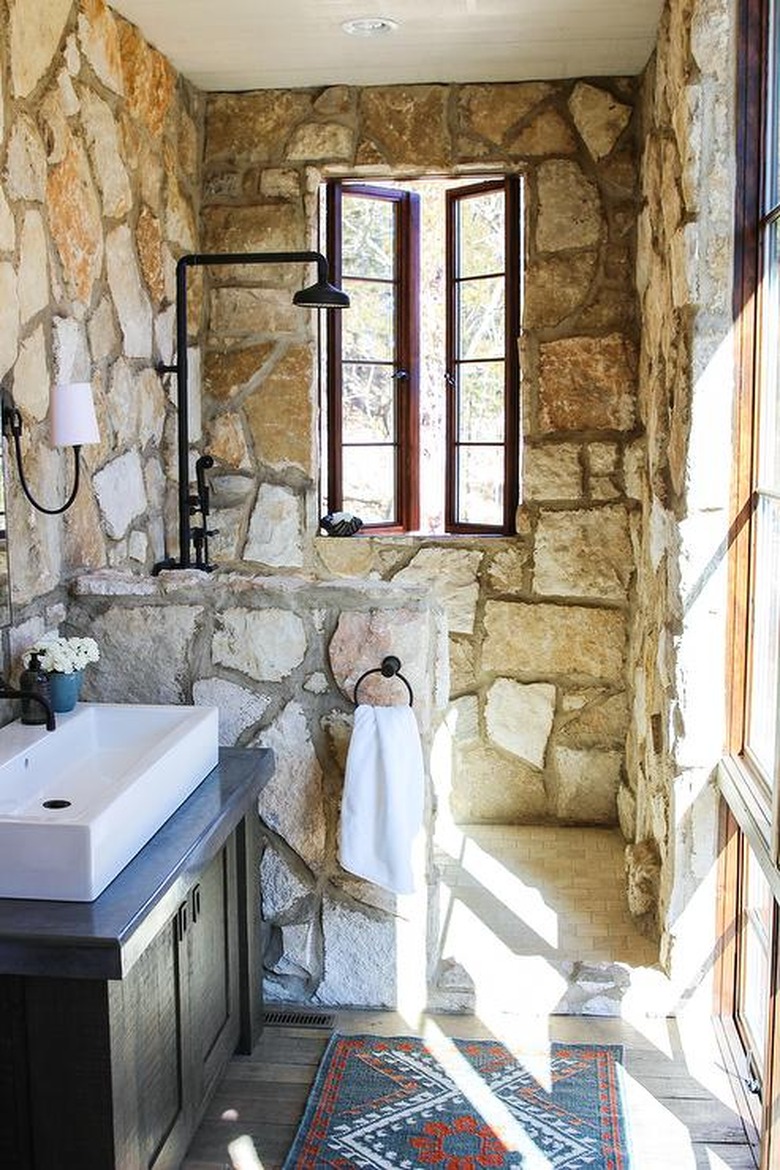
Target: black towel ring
{"points": [[391, 667]]}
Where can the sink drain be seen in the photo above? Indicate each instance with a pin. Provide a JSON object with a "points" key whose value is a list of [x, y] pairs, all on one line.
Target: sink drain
{"points": [[56, 804]]}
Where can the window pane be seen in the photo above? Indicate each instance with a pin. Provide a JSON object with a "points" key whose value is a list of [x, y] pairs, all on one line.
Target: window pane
{"points": [[769, 436], [481, 234], [756, 924], [368, 243], [368, 328], [481, 330], [481, 485], [368, 404], [762, 716], [772, 193], [481, 403], [369, 483]]}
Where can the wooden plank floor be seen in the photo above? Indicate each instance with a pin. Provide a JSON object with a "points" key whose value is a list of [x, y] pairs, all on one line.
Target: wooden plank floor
{"points": [[518, 901], [677, 1096]]}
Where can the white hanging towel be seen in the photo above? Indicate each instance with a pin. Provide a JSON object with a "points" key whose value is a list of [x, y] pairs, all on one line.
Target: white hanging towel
{"points": [[384, 793]]}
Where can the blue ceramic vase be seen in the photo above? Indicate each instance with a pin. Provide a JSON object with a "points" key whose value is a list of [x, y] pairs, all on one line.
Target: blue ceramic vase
{"points": [[65, 690]]}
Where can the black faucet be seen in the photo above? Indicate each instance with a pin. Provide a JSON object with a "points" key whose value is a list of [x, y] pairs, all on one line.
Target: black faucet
{"points": [[9, 692]]}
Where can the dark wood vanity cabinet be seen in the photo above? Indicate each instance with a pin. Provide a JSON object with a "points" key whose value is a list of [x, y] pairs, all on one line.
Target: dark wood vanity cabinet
{"points": [[115, 1073]]}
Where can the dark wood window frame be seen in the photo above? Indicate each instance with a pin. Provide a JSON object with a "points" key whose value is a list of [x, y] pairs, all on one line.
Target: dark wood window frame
{"points": [[407, 359], [512, 277]]}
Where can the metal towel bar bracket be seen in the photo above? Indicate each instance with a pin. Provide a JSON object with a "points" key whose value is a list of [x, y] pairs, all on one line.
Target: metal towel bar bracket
{"points": [[390, 668]]}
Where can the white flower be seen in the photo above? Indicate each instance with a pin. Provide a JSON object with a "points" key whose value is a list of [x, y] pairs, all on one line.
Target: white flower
{"points": [[63, 655]]}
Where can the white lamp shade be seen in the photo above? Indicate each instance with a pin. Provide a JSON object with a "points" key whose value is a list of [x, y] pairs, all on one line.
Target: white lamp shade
{"points": [[72, 420]]}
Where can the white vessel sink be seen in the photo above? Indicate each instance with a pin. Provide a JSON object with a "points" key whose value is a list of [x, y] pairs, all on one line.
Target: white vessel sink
{"points": [[78, 803]]}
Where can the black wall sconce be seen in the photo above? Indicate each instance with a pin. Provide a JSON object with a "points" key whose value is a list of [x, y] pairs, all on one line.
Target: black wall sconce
{"points": [[72, 423], [320, 295]]}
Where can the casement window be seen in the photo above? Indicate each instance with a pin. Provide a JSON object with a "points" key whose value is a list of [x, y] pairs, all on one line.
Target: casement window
{"points": [[422, 372], [750, 878]]}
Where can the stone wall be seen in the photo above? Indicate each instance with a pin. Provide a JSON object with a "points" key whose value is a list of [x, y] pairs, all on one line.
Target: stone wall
{"points": [[100, 145], [280, 658], [686, 390], [539, 622]]}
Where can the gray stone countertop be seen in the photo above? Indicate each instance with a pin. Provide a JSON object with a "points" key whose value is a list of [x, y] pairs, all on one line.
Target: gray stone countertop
{"points": [[102, 939]]}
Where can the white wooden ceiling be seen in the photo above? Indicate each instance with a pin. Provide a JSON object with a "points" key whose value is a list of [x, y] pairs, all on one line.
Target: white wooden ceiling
{"points": [[262, 44]]}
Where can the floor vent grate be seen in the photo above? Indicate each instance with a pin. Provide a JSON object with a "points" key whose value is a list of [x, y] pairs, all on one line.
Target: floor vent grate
{"points": [[293, 1019]]}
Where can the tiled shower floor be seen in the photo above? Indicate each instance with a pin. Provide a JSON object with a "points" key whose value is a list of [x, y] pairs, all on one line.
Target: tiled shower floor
{"points": [[537, 916]]}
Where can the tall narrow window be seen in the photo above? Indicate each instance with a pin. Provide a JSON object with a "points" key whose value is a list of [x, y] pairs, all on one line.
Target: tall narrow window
{"points": [[422, 374], [761, 442], [372, 368], [482, 317]]}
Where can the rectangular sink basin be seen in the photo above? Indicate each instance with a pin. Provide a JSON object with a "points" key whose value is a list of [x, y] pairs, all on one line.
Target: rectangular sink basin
{"points": [[78, 803]]}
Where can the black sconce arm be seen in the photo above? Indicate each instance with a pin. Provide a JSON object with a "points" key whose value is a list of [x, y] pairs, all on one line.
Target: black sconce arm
{"points": [[12, 425]]}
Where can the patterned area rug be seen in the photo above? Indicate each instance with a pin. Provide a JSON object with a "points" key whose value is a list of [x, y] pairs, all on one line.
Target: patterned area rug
{"points": [[387, 1102]]}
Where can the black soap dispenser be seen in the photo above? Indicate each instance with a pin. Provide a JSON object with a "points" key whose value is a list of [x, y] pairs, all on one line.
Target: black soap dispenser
{"points": [[34, 681]]}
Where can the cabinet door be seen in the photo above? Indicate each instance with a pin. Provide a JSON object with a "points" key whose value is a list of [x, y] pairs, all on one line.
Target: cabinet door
{"points": [[213, 991], [154, 1027]]}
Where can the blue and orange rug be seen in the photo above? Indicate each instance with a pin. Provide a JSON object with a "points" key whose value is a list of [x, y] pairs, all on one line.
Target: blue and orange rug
{"points": [[387, 1102]]}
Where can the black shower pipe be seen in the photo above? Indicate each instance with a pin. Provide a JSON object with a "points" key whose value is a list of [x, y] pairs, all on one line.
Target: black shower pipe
{"points": [[180, 367]]}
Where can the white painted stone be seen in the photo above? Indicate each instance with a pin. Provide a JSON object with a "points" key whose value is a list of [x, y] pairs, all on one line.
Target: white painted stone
{"points": [[520, 717], [9, 318], [72, 56], [462, 719], [165, 334], [275, 536], [291, 804], [122, 405], [239, 708], [452, 576], [121, 493], [26, 162], [297, 957], [36, 27], [599, 117], [360, 958], [71, 351], [138, 546], [102, 136], [7, 225], [130, 299], [69, 100], [102, 330], [150, 398], [282, 890], [144, 652], [266, 644], [588, 783], [99, 40], [179, 220], [31, 376]]}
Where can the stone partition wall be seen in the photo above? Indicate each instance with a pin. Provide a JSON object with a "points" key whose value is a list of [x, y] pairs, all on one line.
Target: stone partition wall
{"points": [[100, 144], [538, 623], [686, 390], [279, 657]]}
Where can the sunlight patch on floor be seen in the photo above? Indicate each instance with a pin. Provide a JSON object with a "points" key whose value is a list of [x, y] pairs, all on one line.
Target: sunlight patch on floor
{"points": [[243, 1154]]}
